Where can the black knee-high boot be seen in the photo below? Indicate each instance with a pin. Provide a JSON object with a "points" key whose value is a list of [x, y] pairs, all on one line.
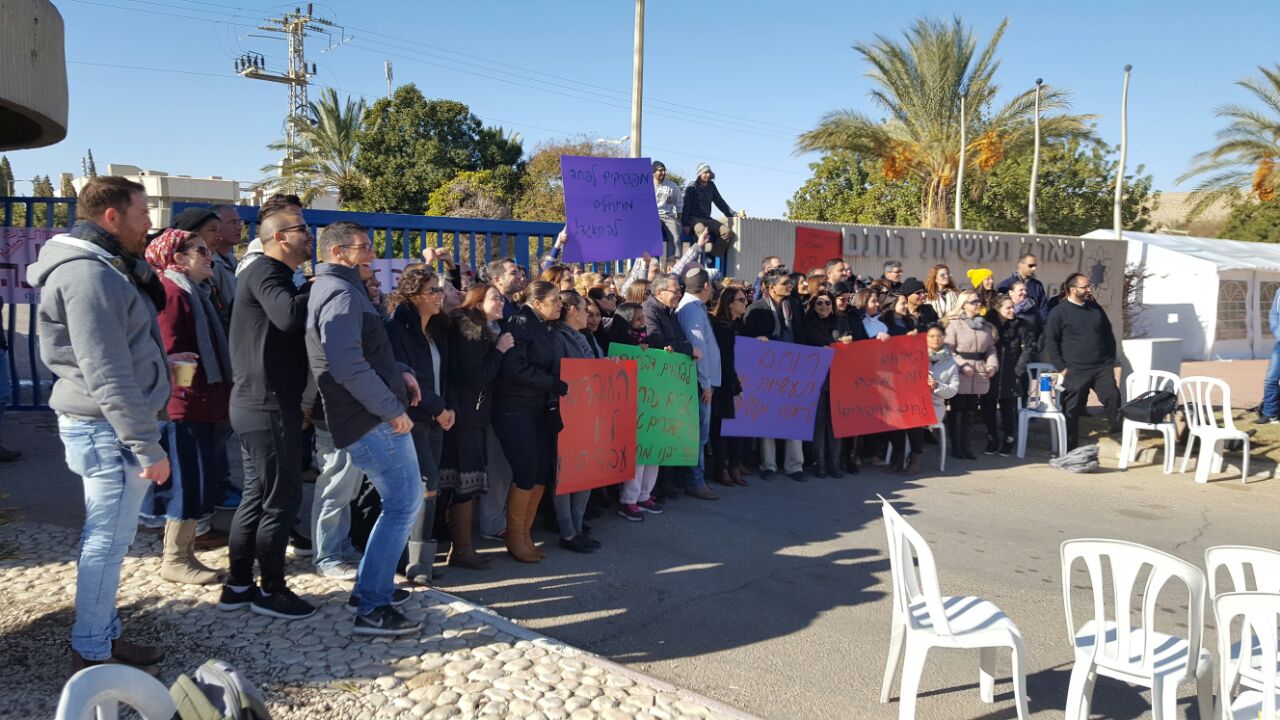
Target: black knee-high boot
{"points": [[952, 422], [962, 429]]}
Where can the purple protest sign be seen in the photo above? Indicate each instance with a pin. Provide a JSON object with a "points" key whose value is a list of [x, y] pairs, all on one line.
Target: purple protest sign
{"points": [[610, 210], [781, 383]]}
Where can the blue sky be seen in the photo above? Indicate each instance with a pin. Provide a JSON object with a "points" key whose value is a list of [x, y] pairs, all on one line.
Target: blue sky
{"points": [[728, 82]]}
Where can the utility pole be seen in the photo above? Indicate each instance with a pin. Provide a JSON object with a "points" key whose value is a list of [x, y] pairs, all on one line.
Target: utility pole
{"points": [[387, 66], [637, 79], [295, 27], [1035, 168], [1124, 147]]}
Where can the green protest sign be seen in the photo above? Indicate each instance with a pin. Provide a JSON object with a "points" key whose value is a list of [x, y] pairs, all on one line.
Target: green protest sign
{"points": [[667, 406]]}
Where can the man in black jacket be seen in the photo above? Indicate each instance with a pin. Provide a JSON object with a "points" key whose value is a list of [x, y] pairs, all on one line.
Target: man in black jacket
{"points": [[1026, 273], [366, 395], [1079, 342], [660, 321], [696, 214], [269, 364], [777, 316]]}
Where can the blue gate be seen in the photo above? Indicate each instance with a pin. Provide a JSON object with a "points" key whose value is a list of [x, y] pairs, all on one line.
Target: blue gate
{"points": [[472, 242]]}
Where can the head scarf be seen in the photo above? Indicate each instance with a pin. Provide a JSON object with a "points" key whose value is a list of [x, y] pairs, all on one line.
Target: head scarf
{"points": [[978, 275], [161, 252]]}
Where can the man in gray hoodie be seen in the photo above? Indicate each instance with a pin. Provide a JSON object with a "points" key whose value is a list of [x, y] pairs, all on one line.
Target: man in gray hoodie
{"points": [[98, 334]]}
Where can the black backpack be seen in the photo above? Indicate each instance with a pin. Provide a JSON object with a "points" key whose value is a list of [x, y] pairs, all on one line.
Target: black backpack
{"points": [[1152, 406]]}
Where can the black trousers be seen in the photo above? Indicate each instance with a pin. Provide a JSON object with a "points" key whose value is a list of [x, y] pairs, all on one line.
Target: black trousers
{"points": [[726, 452], [827, 447], [272, 446], [529, 442], [1075, 398], [1000, 415]]}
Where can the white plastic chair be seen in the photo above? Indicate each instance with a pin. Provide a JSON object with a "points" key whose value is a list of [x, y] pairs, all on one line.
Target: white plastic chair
{"points": [[1138, 655], [925, 618], [1203, 424], [1244, 563], [1048, 411], [1138, 383], [1258, 614], [98, 692], [942, 447]]}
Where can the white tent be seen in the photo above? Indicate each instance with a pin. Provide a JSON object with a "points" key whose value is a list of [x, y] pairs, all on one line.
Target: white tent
{"points": [[1212, 293]]}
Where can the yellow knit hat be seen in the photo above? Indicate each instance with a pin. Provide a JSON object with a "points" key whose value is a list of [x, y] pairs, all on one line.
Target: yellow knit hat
{"points": [[978, 275]]}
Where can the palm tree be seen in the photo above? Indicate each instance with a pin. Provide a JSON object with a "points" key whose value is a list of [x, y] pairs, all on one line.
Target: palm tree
{"points": [[1244, 160], [324, 156], [920, 84]]}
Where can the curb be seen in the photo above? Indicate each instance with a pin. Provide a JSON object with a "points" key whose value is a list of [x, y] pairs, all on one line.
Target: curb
{"points": [[510, 627]]}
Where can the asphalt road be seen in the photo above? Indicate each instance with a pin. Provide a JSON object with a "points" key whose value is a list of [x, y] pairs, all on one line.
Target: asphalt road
{"points": [[775, 599]]}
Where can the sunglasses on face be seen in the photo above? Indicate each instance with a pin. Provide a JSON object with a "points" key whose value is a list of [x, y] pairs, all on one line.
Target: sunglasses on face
{"points": [[297, 228], [975, 301], [822, 303], [201, 251]]}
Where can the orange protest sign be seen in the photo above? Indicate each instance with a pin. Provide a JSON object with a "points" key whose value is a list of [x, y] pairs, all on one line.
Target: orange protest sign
{"points": [[880, 386], [597, 446]]}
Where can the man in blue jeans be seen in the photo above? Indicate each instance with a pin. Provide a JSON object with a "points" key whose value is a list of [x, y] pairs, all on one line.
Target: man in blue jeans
{"points": [[696, 323], [1271, 390], [98, 334], [366, 393]]}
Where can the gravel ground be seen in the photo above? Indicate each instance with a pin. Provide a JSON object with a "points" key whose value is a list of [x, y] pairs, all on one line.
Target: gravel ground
{"points": [[467, 662]]}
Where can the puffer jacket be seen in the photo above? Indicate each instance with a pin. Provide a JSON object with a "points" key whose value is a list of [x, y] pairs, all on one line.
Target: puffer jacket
{"points": [[530, 368], [946, 376], [1016, 345], [974, 346]]}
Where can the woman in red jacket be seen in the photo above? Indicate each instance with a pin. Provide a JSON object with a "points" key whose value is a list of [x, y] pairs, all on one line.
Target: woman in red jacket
{"points": [[189, 324]]}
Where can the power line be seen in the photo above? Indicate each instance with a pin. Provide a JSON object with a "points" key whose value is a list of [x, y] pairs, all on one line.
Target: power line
{"points": [[725, 121]]}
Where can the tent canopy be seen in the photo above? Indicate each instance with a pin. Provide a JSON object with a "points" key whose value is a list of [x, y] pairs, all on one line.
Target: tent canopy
{"points": [[1226, 254]]}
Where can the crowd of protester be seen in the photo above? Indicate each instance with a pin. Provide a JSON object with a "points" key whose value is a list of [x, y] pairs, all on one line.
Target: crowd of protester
{"points": [[430, 415]]}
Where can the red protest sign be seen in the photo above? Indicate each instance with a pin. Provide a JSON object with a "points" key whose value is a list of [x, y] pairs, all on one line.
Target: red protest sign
{"points": [[597, 446], [877, 386], [814, 248]]}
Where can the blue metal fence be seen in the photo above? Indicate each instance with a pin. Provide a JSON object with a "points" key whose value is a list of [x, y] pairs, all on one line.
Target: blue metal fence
{"points": [[27, 378], [472, 242]]}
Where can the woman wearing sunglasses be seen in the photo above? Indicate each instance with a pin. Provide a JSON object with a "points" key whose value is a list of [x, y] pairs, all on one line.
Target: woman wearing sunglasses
{"points": [[190, 327], [973, 342], [823, 326]]}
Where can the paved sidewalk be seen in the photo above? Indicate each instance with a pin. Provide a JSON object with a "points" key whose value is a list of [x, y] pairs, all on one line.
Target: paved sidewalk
{"points": [[467, 662]]}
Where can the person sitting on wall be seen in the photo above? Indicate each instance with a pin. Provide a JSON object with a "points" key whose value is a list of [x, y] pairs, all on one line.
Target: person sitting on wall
{"points": [[696, 215], [669, 199]]}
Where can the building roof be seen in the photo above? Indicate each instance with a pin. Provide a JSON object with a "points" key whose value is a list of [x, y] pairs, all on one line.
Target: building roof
{"points": [[1226, 254]]}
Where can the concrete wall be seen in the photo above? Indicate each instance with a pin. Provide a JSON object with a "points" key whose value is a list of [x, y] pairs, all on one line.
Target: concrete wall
{"points": [[866, 247]]}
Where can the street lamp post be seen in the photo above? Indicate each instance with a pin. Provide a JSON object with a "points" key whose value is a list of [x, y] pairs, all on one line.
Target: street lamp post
{"points": [[1035, 167], [1124, 147], [960, 167]]}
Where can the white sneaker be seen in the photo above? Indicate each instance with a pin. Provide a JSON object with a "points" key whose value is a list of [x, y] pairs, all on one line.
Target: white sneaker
{"points": [[341, 571]]}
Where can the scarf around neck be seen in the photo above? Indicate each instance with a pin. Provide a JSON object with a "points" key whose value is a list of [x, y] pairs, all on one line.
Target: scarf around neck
{"points": [[138, 272], [211, 339]]}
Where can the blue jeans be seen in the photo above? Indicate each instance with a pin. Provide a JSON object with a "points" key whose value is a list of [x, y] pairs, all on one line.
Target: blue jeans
{"points": [[113, 492], [1271, 390], [697, 473], [391, 464], [6, 394], [336, 486]]}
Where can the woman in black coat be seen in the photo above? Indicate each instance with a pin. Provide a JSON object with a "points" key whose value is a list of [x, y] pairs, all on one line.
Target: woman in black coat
{"points": [[823, 326], [526, 413], [476, 347], [1015, 347], [727, 453], [419, 339]]}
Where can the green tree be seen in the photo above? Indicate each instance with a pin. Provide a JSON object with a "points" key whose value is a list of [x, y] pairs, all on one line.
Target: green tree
{"points": [[476, 194], [409, 146], [1254, 221], [542, 187], [1243, 163], [920, 85], [849, 188], [6, 177], [325, 157], [1075, 196]]}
